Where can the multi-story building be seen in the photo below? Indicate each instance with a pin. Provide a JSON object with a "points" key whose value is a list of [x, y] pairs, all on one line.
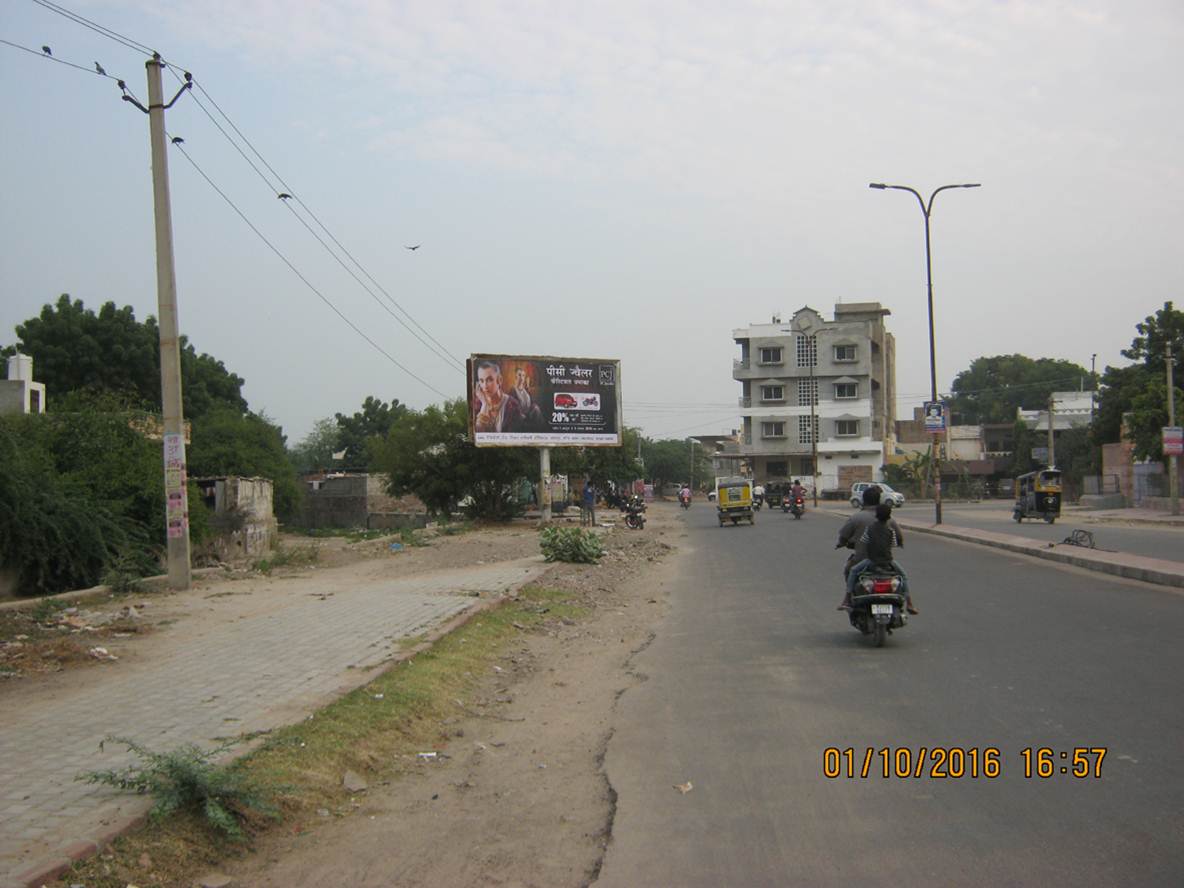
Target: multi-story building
{"points": [[817, 383]]}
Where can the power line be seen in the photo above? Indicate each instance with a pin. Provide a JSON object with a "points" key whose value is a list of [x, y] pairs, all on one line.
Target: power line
{"points": [[50, 58], [439, 350], [305, 280], [96, 27]]}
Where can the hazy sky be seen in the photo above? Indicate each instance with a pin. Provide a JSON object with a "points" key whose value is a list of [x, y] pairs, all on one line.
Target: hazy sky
{"points": [[611, 179]]}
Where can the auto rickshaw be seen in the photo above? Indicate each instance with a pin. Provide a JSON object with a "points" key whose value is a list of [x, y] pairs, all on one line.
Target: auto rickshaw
{"points": [[734, 500], [775, 492], [1038, 495]]}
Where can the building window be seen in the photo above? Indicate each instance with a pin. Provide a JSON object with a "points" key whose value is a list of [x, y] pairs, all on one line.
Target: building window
{"points": [[772, 393], [807, 351], [771, 355], [844, 353], [846, 390], [772, 429], [807, 392], [807, 431], [847, 428]]}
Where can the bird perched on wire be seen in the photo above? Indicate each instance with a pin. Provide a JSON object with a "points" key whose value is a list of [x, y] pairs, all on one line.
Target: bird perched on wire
{"points": [[47, 50], [99, 69], [283, 195], [416, 247], [177, 140]]}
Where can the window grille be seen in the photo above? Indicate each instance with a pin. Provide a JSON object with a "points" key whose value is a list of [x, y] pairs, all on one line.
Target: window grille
{"points": [[807, 351], [807, 392], [807, 431]]}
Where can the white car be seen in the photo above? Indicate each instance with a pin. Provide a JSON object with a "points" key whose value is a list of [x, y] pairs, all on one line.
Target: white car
{"points": [[887, 494]]}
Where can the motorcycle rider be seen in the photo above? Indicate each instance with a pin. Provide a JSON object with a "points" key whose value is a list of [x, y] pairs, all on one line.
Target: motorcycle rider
{"points": [[851, 536], [684, 495], [758, 495], [797, 491], [878, 540]]}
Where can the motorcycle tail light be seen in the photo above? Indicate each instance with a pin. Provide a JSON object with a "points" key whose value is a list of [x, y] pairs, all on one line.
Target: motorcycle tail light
{"points": [[885, 586]]}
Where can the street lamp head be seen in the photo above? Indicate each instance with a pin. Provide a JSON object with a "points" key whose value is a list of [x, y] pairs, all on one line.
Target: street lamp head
{"points": [[879, 185]]}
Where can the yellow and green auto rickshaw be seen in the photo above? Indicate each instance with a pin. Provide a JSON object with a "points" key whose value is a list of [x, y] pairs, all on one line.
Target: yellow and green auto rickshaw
{"points": [[733, 500], [1038, 495]]}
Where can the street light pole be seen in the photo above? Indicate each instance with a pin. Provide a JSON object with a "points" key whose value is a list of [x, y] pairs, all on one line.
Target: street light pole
{"points": [[926, 211]]}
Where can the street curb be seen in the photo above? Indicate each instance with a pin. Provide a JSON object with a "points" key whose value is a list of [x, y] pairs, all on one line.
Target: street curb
{"points": [[1119, 564], [41, 874], [146, 584]]}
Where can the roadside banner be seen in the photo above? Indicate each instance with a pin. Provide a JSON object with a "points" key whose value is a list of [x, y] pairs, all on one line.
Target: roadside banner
{"points": [[541, 401], [1173, 440], [935, 417]]}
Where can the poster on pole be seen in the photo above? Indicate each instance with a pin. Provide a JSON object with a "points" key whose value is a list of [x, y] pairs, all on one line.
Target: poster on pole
{"points": [[935, 417], [540, 401], [1173, 440]]}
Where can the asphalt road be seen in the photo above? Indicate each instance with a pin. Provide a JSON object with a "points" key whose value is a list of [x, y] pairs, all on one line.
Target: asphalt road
{"points": [[1149, 540], [754, 674]]}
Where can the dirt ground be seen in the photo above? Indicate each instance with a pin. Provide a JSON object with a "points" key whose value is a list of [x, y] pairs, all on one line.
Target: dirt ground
{"points": [[518, 797]]}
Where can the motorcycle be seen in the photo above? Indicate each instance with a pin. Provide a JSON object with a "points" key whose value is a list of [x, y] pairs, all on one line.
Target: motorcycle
{"points": [[757, 500], [878, 605], [684, 501], [634, 514], [797, 506]]}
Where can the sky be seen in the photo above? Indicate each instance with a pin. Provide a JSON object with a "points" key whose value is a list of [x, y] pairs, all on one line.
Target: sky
{"points": [[628, 180]]}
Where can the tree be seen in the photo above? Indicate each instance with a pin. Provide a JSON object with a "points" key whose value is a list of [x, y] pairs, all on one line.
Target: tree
{"points": [[428, 453], [667, 461], [226, 442], [1139, 391], [76, 350], [315, 451], [993, 388], [374, 420], [601, 464]]}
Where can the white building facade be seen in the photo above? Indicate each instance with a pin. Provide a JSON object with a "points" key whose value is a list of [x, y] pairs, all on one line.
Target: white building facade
{"points": [[817, 383]]}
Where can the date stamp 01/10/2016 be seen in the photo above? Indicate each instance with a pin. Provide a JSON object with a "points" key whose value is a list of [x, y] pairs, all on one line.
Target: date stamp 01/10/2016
{"points": [[960, 762]]}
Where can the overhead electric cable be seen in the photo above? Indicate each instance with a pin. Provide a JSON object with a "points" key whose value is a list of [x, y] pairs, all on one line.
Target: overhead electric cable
{"points": [[51, 58], [443, 352], [96, 27], [305, 280]]}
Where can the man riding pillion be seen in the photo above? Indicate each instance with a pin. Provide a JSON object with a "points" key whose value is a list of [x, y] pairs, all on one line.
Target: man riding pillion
{"points": [[853, 536]]}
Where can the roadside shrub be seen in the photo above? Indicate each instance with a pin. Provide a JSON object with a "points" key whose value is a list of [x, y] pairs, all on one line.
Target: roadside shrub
{"points": [[187, 779], [570, 544]]}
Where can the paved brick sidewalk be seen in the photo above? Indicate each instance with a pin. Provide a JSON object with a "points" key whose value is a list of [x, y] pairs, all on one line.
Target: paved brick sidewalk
{"points": [[252, 674]]}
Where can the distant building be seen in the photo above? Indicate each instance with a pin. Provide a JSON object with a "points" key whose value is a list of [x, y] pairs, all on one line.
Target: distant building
{"points": [[19, 393], [843, 372], [1069, 410]]}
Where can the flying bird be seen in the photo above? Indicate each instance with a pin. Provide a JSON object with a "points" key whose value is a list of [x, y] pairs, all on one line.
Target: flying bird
{"points": [[47, 50], [99, 69], [283, 195], [177, 140], [416, 247]]}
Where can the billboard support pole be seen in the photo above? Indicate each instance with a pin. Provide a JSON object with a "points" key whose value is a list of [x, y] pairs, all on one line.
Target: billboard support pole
{"points": [[545, 483]]}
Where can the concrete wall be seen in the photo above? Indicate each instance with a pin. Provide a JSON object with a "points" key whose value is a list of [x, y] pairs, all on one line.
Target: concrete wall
{"points": [[360, 501], [252, 498]]}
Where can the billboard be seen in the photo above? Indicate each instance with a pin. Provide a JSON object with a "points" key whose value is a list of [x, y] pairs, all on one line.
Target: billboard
{"points": [[935, 417], [533, 401]]}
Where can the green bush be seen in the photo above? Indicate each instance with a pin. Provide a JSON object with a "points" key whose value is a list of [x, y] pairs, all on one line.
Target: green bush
{"points": [[570, 544], [187, 778]]}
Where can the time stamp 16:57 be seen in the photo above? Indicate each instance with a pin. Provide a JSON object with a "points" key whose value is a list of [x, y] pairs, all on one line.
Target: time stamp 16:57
{"points": [[958, 762]]}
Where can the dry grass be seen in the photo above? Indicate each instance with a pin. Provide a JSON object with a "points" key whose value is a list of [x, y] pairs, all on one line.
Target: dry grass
{"points": [[376, 730]]}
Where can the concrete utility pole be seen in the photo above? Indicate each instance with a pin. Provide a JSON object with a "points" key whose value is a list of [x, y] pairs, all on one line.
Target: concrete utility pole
{"points": [[1174, 460], [175, 480], [545, 482], [814, 430], [1052, 461]]}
